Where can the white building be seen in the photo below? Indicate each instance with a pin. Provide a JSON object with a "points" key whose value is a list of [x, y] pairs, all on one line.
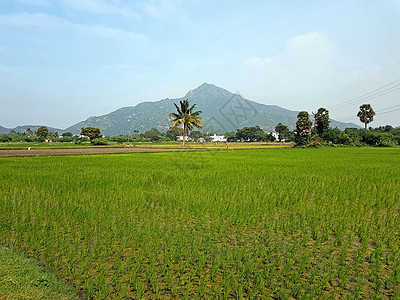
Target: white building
{"points": [[217, 138], [180, 138]]}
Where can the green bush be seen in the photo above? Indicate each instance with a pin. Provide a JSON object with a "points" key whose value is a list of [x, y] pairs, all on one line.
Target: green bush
{"points": [[378, 139], [336, 136], [5, 139], [119, 139], [99, 142], [65, 139]]}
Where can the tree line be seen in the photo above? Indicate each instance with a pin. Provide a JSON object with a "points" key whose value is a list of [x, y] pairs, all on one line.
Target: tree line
{"points": [[319, 132]]}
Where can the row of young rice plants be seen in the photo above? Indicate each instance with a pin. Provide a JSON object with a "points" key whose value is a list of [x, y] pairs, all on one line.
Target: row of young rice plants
{"points": [[278, 223]]}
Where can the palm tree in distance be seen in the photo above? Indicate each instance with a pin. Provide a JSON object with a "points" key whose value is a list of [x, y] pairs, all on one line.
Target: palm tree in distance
{"points": [[366, 114], [186, 116]]}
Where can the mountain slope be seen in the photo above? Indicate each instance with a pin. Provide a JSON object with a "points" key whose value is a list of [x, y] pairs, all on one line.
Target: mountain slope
{"points": [[222, 110], [24, 128], [4, 130]]}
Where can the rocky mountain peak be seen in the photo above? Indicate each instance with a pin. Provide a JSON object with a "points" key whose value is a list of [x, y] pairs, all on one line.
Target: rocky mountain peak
{"points": [[207, 90]]}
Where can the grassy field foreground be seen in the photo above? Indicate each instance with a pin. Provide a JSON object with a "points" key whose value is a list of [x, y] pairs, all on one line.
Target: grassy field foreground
{"points": [[276, 223], [23, 278]]}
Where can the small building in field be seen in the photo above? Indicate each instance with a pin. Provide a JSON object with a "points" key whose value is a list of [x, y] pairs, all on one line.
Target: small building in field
{"points": [[180, 138], [217, 138], [275, 135]]}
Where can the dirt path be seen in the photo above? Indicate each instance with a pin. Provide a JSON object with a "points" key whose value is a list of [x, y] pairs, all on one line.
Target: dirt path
{"points": [[35, 152]]}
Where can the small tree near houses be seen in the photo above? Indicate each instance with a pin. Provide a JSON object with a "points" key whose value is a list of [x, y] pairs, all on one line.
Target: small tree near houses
{"points": [[91, 132]]}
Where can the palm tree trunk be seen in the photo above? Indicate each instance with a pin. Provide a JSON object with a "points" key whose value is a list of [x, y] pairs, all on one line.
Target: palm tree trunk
{"points": [[184, 132]]}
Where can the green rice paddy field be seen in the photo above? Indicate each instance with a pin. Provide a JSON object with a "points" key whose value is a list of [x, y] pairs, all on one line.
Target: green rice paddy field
{"points": [[272, 223]]}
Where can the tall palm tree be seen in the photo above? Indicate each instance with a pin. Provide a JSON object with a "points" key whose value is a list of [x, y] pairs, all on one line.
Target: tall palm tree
{"points": [[186, 116], [366, 114]]}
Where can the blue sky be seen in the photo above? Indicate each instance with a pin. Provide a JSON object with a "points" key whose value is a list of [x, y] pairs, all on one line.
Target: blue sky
{"points": [[64, 61]]}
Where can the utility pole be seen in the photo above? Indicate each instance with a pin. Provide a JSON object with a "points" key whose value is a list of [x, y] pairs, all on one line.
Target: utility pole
{"points": [[315, 121]]}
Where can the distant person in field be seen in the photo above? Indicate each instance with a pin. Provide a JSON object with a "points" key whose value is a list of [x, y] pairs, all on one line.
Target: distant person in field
{"points": [[227, 144]]}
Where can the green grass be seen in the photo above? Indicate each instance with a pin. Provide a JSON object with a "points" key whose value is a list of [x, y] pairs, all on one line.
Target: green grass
{"points": [[216, 146], [161, 145], [23, 278], [280, 223], [55, 145]]}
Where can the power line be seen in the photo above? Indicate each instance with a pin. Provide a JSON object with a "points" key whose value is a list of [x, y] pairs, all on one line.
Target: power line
{"points": [[378, 92], [386, 112], [382, 93], [377, 113], [383, 109], [368, 93], [345, 119], [370, 97]]}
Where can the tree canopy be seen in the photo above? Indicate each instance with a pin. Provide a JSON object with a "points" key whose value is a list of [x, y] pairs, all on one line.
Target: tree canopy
{"points": [[366, 114], [303, 128], [282, 130], [91, 132], [253, 134], [42, 132], [321, 120], [153, 134]]}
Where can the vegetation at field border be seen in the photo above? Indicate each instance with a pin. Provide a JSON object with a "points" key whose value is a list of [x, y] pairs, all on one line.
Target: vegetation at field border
{"points": [[23, 278]]}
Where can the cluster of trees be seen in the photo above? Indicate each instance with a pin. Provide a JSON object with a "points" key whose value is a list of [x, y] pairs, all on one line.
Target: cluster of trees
{"points": [[319, 132], [154, 135], [40, 135], [43, 133], [249, 134], [172, 134]]}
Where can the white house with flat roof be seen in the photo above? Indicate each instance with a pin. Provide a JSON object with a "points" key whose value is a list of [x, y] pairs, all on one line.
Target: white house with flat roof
{"points": [[275, 135], [180, 138], [217, 138]]}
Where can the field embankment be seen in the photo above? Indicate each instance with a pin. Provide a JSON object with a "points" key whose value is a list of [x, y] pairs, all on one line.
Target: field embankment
{"points": [[63, 149]]}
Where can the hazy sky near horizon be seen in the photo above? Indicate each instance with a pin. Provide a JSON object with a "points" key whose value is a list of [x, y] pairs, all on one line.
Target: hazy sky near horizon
{"points": [[64, 61]]}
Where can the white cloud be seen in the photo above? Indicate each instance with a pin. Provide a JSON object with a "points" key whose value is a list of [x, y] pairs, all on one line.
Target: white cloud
{"points": [[306, 64], [38, 20], [101, 7], [164, 10], [108, 32], [309, 73], [39, 3], [44, 21]]}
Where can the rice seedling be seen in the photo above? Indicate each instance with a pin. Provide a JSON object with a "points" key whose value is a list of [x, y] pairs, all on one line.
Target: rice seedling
{"points": [[300, 223]]}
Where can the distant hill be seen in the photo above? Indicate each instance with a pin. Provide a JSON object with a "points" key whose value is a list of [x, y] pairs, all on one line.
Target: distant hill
{"points": [[222, 110], [4, 130], [24, 128]]}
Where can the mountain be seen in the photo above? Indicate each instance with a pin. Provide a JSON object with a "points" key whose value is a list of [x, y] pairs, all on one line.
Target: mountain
{"points": [[24, 128], [4, 130], [222, 110]]}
